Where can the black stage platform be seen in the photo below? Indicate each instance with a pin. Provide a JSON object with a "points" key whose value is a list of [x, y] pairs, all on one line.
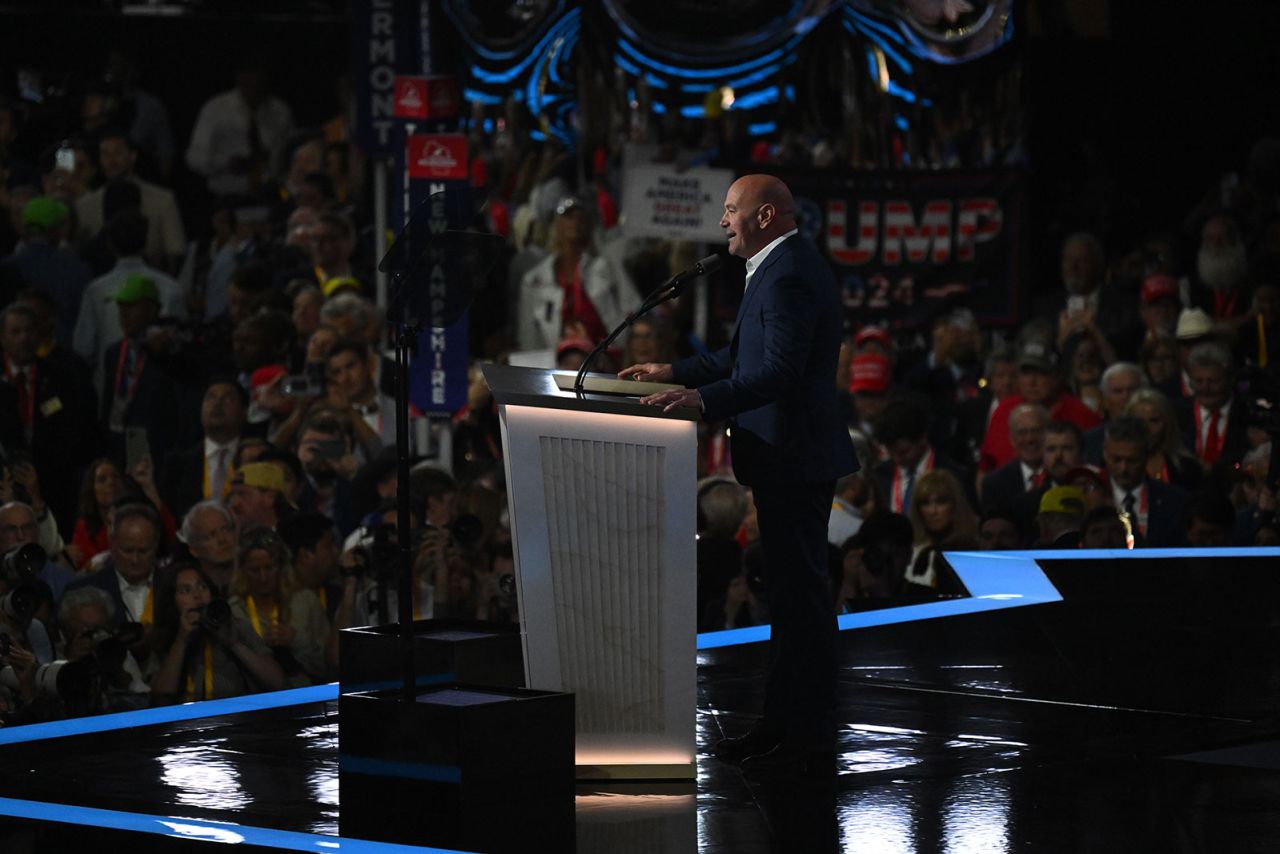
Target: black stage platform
{"points": [[1136, 713]]}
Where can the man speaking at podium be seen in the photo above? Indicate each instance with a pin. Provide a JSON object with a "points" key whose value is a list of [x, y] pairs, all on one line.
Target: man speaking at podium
{"points": [[776, 382]]}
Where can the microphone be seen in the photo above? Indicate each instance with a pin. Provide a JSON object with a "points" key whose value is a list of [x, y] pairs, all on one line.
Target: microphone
{"points": [[668, 290]]}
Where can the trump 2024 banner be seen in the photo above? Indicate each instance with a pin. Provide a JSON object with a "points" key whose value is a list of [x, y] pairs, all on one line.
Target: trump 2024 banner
{"points": [[907, 245]]}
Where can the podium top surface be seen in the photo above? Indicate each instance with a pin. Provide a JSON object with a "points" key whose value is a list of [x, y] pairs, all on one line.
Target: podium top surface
{"points": [[517, 386]]}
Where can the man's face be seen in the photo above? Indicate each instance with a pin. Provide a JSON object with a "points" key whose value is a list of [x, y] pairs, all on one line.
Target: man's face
{"points": [[1161, 316], [17, 528], [19, 339], [1081, 270], [116, 158], [350, 375], [262, 572], [741, 222], [998, 534], [1203, 534], [213, 538], [1209, 385], [1106, 534], [80, 627], [1004, 379], [443, 511], [1116, 394], [250, 347], [252, 507], [906, 453], [1126, 462], [324, 560], [330, 247], [315, 464], [1037, 386], [136, 316], [1026, 431], [306, 311], [1061, 454], [133, 549], [221, 410]]}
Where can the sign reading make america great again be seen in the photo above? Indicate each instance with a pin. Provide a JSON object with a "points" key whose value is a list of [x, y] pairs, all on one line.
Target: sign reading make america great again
{"points": [[906, 245]]}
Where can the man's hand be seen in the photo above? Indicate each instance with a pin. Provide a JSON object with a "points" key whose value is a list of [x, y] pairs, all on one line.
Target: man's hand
{"points": [[25, 474], [669, 400], [649, 372]]}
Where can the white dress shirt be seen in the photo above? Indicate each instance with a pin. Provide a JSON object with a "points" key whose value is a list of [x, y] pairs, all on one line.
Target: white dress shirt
{"points": [[754, 262]]}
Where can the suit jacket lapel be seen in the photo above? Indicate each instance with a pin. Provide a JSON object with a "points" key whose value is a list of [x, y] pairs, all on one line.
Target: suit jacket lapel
{"points": [[754, 287]]}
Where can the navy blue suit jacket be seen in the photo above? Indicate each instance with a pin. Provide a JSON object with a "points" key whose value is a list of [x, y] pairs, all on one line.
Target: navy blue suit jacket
{"points": [[776, 379]]}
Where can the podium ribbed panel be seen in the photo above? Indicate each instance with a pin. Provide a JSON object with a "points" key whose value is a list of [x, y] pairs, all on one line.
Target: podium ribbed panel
{"points": [[607, 584]]}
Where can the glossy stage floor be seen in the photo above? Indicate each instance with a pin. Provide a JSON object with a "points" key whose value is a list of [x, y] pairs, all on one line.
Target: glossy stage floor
{"points": [[1101, 702]]}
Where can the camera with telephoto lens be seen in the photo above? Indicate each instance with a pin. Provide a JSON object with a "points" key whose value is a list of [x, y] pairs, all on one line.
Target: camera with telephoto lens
{"points": [[18, 569], [216, 614], [379, 555]]}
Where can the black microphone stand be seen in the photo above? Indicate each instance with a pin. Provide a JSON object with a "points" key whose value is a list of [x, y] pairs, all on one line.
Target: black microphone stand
{"points": [[667, 291]]}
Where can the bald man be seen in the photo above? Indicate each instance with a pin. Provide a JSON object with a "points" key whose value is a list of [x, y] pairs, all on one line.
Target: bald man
{"points": [[776, 384]]}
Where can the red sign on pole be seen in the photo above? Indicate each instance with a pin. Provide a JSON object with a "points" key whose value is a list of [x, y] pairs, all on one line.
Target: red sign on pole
{"points": [[411, 99], [438, 156], [420, 98], [442, 98]]}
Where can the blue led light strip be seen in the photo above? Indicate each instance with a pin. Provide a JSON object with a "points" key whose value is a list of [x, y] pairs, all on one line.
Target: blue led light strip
{"points": [[170, 714], [198, 830], [995, 580]]}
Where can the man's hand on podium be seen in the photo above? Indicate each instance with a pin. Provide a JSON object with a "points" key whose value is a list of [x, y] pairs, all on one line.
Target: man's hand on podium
{"points": [[649, 372]]}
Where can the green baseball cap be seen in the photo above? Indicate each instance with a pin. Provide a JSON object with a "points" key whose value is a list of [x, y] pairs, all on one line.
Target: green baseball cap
{"points": [[44, 212], [136, 287]]}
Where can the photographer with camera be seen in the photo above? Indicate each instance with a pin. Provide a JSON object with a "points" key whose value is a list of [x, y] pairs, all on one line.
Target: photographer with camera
{"points": [[18, 527], [25, 644], [289, 618], [204, 652], [106, 677], [327, 451]]}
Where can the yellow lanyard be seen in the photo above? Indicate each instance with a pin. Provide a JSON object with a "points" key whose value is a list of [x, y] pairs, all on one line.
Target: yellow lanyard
{"points": [[148, 610], [324, 600], [253, 614], [208, 676]]}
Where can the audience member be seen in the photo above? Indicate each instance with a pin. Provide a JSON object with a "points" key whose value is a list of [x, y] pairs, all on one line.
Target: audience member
{"points": [[209, 533], [118, 158], [202, 655], [941, 519], [1155, 510]]}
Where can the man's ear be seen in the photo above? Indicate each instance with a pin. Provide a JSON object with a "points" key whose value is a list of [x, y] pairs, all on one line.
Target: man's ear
{"points": [[766, 214]]}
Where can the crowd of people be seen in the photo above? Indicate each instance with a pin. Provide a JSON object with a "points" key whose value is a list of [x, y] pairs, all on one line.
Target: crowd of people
{"points": [[199, 484]]}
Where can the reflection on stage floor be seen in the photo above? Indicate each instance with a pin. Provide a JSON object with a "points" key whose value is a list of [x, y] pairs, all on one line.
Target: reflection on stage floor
{"points": [[1135, 713]]}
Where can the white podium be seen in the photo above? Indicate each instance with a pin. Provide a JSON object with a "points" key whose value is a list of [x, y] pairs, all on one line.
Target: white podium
{"points": [[603, 525]]}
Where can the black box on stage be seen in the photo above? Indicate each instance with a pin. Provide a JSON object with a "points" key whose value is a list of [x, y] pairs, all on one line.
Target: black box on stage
{"points": [[458, 766], [467, 651]]}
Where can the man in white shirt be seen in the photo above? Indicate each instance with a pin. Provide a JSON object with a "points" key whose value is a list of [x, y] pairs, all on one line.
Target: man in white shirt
{"points": [[166, 239], [128, 577], [239, 134], [1007, 485]]}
